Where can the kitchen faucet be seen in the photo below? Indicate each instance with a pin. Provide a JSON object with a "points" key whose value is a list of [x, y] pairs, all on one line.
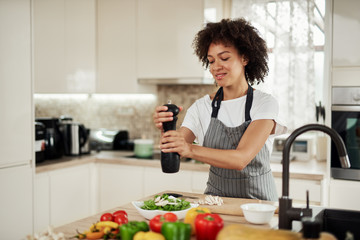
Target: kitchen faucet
{"points": [[286, 212]]}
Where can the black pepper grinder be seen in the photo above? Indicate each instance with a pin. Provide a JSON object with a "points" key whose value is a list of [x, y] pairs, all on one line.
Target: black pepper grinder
{"points": [[170, 162]]}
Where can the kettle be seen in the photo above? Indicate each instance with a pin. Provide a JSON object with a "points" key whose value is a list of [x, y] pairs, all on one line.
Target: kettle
{"points": [[74, 136]]}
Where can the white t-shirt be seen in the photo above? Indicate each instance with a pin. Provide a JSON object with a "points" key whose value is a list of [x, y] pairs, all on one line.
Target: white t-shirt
{"points": [[232, 114]]}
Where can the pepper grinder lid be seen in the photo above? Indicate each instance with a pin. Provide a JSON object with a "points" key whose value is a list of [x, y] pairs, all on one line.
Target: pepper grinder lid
{"points": [[172, 108]]}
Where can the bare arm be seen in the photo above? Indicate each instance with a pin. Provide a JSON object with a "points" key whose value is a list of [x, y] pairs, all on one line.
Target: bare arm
{"points": [[250, 144]]}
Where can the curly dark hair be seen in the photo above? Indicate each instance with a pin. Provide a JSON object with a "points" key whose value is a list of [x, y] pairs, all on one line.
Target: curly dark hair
{"points": [[244, 37]]}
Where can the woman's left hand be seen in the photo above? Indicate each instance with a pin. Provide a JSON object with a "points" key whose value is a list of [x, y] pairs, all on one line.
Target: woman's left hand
{"points": [[174, 141]]}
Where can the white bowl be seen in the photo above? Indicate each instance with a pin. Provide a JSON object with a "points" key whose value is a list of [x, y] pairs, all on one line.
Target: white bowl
{"points": [[149, 214], [258, 213]]}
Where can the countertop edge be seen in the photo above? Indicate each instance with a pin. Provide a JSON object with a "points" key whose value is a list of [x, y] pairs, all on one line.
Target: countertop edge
{"points": [[65, 162]]}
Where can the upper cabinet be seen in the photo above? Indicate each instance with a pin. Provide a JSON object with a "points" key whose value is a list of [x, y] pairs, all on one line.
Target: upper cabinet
{"points": [[108, 46], [346, 38], [165, 31], [116, 48], [64, 46]]}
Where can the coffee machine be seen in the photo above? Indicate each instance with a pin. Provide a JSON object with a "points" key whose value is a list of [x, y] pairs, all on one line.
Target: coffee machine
{"points": [[53, 138], [40, 134]]}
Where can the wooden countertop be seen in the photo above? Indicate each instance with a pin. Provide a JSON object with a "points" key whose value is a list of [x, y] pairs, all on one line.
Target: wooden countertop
{"points": [[236, 217], [310, 170]]}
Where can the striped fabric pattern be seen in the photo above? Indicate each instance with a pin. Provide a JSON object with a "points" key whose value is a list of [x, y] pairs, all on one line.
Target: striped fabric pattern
{"points": [[254, 181]]}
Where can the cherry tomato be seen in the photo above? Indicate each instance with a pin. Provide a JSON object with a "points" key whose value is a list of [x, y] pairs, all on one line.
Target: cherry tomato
{"points": [[158, 220], [121, 212], [107, 217], [121, 219]]}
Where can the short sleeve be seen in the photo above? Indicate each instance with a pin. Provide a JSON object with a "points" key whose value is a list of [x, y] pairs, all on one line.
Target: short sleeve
{"points": [[197, 118], [268, 108], [191, 120]]}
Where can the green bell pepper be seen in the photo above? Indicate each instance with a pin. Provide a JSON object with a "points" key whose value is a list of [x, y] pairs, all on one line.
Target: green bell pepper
{"points": [[176, 230], [128, 230]]}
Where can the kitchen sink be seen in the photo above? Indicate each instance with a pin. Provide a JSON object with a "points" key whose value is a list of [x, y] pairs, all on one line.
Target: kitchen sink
{"points": [[340, 222]]}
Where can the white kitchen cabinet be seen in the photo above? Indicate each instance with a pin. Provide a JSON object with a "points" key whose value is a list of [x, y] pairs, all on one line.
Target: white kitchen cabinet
{"points": [[16, 202], [346, 33], [157, 181], [15, 84], [64, 46], [298, 187], [119, 184], [165, 32], [41, 202], [64, 195], [346, 76], [345, 39], [116, 48], [70, 194], [344, 194], [17, 122]]}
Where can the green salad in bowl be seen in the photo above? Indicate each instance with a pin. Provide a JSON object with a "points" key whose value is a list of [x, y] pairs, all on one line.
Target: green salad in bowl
{"points": [[161, 204], [165, 203]]}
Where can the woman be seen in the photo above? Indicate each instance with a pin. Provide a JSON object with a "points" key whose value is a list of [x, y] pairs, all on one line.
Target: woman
{"points": [[233, 126]]}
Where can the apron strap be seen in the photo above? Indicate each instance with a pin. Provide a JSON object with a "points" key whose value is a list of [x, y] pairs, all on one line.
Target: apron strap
{"points": [[248, 104], [219, 96]]}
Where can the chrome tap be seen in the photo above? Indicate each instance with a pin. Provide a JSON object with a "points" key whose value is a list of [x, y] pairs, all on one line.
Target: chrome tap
{"points": [[286, 212]]}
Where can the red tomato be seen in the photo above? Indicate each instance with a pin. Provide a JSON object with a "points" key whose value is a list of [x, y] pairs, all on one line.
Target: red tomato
{"points": [[120, 212], [121, 219], [106, 217], [158, 220], [170, 217]]}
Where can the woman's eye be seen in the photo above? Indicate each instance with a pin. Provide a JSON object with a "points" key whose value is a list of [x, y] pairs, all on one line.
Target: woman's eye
{"points": [[211, 62], [225, 59]]}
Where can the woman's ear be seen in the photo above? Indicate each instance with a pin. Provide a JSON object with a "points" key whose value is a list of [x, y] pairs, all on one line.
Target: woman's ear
{"points": [[245, 60]]}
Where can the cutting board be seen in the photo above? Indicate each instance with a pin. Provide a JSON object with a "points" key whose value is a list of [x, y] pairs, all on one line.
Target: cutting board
{"points": [[231, 206]]}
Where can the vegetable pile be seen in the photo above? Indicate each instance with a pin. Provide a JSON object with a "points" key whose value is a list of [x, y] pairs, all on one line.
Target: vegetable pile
{"points": [[166, 203], [166, 226], [109, 227]]}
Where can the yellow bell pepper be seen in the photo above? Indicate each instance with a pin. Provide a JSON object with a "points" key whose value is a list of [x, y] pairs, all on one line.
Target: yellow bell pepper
{"points": [[191, 215], [148, 236], [105, 224]]}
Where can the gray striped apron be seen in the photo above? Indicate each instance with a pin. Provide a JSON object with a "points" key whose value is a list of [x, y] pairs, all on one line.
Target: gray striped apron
{"points": [[256, 179]]}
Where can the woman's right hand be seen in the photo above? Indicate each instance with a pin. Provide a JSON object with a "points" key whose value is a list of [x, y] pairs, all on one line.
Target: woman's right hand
{"points": [[161, 115]]}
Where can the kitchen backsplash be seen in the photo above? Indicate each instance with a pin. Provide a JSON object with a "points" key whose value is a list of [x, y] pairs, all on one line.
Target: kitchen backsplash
{"points": [[132, 112], [182, 95]]}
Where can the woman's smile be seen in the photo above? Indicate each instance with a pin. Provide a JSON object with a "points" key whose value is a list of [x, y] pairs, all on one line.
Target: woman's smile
{"points": [[226, 65], [220, 76]]}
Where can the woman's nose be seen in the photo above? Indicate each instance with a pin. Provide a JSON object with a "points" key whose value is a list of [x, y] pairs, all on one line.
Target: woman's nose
{"points": [[216, 66]]}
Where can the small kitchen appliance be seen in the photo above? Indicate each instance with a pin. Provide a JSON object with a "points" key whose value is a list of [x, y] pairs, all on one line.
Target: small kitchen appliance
{"points": [[85, 149], [53, 139], [107, 139], [121, 141], [143, 148], [74, 136], [345, 120], [39, 142], [303, 148], [170, 162]]}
